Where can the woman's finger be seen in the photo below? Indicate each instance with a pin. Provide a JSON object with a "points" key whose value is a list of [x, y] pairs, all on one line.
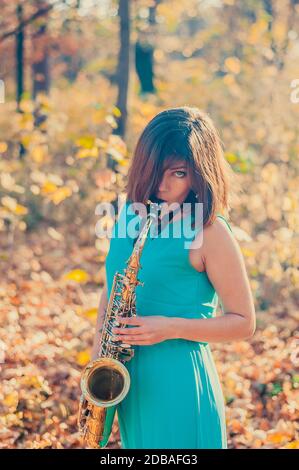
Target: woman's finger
{"points": [[131, 338], [139, 343], [130, 321], [128, 331]]}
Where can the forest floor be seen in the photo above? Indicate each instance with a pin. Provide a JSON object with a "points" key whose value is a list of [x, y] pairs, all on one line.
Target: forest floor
{"points": [[46, 332]]}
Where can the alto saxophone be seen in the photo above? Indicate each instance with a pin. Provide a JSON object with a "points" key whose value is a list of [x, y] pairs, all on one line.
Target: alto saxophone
{"points": [[105, 381]]}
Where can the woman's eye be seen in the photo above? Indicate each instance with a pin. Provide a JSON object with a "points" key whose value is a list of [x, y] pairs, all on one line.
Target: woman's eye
{"points": [[183, 173]]}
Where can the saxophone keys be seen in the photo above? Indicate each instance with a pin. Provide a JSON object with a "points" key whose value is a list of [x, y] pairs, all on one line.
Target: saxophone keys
{"points": [[113, 340]]}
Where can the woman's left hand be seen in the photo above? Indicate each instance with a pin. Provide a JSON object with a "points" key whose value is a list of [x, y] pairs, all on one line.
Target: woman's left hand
{"points": [[148, 330]]}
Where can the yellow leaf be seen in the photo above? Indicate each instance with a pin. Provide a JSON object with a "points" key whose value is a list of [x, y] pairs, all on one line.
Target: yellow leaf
{"points": [[60, 195], [124, 162], [35, 381], [48, 187], [256, 31], [279, 31], [3, 147], [94, 152], [231, 157], [292, 445], [91, 313], [116, 111], [101, 143], [87, 141], [276, 437], [20, 210], [233, 64], [83, 357], [78, 275], [26, 139], [43, 99], [11, 400], [26, 122], [98, 115], [39, 153], [85, 152], [229, 79], [27, 106], [82, 153], [243, 166]]}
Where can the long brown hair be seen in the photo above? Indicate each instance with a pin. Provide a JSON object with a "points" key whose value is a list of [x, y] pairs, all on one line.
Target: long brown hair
{"points": [[188, 134]]}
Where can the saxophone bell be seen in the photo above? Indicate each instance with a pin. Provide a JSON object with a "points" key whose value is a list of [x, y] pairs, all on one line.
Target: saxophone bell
{"points": [[104, 383]]}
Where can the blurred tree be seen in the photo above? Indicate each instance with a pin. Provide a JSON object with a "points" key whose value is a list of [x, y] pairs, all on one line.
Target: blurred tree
{"points": [[40, 63], [144, 50], [144, 53], [122, 77], [42, 8], [19, 57], [282, 20], [69, 47]]}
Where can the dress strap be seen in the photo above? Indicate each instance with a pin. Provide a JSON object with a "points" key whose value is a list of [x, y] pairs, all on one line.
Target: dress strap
{"points": [[219, 215]]}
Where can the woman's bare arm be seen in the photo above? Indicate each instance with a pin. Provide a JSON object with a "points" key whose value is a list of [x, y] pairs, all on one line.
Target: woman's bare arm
{"points": [[100, 319], [226, 270]]}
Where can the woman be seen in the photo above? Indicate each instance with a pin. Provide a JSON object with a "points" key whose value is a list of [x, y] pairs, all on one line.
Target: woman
{"points": [[175, 398]]}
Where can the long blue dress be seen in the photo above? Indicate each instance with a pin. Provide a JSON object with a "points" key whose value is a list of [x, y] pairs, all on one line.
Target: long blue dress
{"points": [[175, 400]]}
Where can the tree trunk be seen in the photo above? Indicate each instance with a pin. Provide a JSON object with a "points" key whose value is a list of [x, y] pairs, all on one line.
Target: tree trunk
{"points": [[144, 66], [19, 58], [123, 66], [40, 65], [144, 53]]}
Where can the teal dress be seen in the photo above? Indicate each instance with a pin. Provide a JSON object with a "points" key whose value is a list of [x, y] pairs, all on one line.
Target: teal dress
{"points": [[175, 400]]}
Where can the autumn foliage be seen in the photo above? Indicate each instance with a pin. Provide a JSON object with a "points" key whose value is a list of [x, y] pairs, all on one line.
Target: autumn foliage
{"points": [[60, 156]]}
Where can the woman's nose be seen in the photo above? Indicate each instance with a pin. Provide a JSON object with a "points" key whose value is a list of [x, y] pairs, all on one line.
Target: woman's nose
{"points": [[163, 185]]}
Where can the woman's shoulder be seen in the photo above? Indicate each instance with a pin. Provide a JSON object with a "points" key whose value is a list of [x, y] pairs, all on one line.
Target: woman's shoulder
{"points": [[222, 218], [219, 229], [217, 233], [218, 237]]}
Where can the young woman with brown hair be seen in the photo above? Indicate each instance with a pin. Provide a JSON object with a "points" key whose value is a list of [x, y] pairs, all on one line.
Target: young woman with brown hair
{"points": [[175, 398]]}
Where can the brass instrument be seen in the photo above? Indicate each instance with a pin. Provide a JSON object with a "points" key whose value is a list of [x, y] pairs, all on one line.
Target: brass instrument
{"points": [[105, 381]]}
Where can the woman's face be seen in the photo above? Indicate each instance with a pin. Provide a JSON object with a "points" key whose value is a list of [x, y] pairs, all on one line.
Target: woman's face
{"points": [[175, 184]]}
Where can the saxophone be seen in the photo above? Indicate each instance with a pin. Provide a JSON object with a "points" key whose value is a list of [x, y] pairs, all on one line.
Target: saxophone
{"points": [[105, 381]]}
